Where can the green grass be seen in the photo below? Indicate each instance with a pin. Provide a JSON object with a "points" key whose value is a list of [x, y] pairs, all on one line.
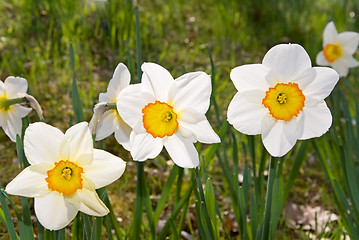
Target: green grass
{"points": [[35, 36]]}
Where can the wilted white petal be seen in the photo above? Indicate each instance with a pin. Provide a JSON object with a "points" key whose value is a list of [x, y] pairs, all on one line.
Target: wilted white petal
{"points": [[182, 151], [104, 169], [42, 143], [30, 182], [53, 211]]}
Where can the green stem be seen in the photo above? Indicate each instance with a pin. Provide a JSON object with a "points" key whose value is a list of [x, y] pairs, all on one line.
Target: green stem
{"points": [[138, 44], [6, 103], [137, 219], [111, 105], [268, 204], [203, 200]]}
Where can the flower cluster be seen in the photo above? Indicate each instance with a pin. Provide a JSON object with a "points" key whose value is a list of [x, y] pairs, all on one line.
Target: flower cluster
{"points": [[282, 99]]}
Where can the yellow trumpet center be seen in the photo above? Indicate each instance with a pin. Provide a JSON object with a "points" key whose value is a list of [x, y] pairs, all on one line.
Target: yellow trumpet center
{"points": [[284, 101], [65, 177], [332, 52], [159, 119]]}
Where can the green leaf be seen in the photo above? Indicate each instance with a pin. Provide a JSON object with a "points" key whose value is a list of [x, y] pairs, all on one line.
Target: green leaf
{"points": [[76, 100]]}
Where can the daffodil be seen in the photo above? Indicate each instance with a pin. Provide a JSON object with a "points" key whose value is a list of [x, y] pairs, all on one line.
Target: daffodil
{"points": [[110, 121], [11, 114], [282, 99], [65, 170], [165, 112], [338, 49]]}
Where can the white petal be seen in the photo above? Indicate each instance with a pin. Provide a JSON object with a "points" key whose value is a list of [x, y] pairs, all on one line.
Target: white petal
{"points": [[91, 204], [323, 83], [104, 169], [190, 115], [15, 86], [250, 77], [107, 124], [12, 123], [182, 151], [349, 41], [330, 34], [122, 135], [121, 79], [130, 103], [191, 90], [305, 78], [348, 60], [316, 120], [156, 80], [80, 141], [321, 60], [279, 137], [103, 97], [42, 143], [30, 182], [202, 131], [287, 60], [2, 88], [144, 146], [53, 211], [246, 116], [341, 68]]}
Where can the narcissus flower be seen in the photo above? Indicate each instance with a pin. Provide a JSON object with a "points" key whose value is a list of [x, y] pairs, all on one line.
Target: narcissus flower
{"points": [[65, 170], [11, 115], [111, 122], [282, 98], [167, 112], [338, 49]]}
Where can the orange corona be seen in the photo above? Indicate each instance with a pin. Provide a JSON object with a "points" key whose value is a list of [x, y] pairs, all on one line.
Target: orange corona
{"points": [[284, 101], [159, 119], [65, 177]]}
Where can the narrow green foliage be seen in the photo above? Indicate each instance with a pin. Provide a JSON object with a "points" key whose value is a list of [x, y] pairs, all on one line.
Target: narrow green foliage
{"points": [[269, 198], [76, 100], [165, 193], [5, 209]]}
